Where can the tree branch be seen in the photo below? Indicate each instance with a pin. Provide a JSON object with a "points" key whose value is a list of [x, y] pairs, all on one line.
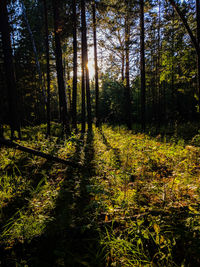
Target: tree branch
{"points": [[186, 25], [11, 144]]}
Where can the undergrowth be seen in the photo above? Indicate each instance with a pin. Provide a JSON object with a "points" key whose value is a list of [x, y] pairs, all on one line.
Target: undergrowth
{"points": [[135, 202]]}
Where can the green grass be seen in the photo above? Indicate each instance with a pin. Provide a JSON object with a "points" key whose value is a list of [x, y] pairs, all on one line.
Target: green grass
{"points": [[136, 202]]}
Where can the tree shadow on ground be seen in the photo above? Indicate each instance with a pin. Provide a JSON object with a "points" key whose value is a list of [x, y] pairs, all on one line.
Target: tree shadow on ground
{"points": [[71, 238], [34, 172], [116, 151]]}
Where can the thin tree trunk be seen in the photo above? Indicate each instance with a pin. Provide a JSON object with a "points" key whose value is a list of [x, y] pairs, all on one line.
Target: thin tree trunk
{"points": [[9, 70], [74, 93], [82, 84], [96, 64], [69, 90], [34, 50], [47, 69], [142, 67], [59, 68], [87, 83], [198, 42], [127, 71], [173, 94], [158, 68], [123, 59]]}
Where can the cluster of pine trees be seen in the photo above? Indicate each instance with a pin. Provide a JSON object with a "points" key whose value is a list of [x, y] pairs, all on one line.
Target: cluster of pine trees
{"points": [[146, 57]]}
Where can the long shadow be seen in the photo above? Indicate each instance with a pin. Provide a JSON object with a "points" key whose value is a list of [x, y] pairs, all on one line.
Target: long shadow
{"points": [[71, 238], [22, 168], [116, 151]]}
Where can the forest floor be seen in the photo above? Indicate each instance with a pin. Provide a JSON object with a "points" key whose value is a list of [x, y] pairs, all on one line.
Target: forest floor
{"points": [[135, 201]]}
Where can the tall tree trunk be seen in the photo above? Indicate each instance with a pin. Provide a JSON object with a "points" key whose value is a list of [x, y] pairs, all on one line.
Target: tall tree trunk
{"points": [[158, 67], [127, 71], [122, 70], [69, 89], [173, 90], [35, 51], [198, 42], [74, 93], [96, 64], [142, 67], [85, 58], [47, 68], [9, 70], [82, 83], [59, 68]]}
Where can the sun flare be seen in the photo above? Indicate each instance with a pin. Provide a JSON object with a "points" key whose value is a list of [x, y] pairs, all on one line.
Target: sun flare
{"points": [[91, 69]]}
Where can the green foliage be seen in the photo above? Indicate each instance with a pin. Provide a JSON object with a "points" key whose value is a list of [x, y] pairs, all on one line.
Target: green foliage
{"points": [[136, 202]]}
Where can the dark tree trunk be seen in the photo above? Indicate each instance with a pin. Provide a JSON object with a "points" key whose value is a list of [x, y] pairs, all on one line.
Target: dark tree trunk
{"points": [[82, 84], [1, 131], [123, 59], [96, 64], [127, 71], [9, 70], [142, 67], [85, 60], [47, 68], [35, 52], [74, 93], [69, 90], [37, 153], [198, 42], [59, 68], [158, 68]]}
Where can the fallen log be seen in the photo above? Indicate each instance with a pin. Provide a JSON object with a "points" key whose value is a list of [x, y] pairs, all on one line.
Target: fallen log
{"points": [[12, 144]]}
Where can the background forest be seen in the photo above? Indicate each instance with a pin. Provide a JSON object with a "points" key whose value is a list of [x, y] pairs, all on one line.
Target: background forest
{"points": [[99, 133], [170, 93]]}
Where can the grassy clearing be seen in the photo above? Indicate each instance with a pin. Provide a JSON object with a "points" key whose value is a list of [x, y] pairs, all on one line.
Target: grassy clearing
{"points": [[136, 202]]}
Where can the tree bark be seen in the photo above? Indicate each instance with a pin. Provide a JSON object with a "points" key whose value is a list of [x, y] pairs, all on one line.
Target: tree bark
{"points": [[59, 68], [9, 70], [198, 42], [96, 64], [142, 67], [82, 82], [74, 93], [122, 70], [47, 68], [85, 60], [127, 70]]}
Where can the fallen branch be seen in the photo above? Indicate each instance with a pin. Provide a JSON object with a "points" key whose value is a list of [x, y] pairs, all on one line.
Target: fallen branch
{"points": [[11, 144]]}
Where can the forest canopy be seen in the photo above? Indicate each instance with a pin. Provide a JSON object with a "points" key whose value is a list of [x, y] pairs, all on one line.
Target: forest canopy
{"points": [[130, 61]]}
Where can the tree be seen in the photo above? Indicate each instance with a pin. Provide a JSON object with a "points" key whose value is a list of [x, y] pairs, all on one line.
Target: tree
{"points": [[47, 68], [96, 63], [198, 43], [35, 52], [82, 77], [59, 68], [195, 41], [85, 63], [9, 70], [74, 92], [142, 66], [127, 71]]}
